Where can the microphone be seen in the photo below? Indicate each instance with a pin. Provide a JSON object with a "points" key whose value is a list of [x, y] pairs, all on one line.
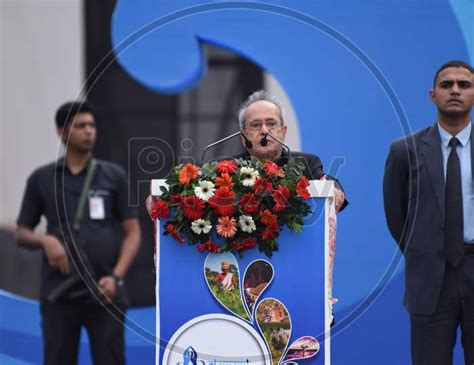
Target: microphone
{"points": [[264, 141], [248, 143]]}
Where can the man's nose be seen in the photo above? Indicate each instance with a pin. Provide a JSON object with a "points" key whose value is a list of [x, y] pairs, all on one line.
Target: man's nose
{"points": [[264, 129], [455, 89], [90, 129]]}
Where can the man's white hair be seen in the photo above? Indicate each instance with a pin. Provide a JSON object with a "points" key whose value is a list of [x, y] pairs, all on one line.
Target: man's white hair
{"points": [[257, 96]]}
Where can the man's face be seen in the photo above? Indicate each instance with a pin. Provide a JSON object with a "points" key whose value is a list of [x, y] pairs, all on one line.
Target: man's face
{"points": [[260, 118], [453, 93], [80, 133]]}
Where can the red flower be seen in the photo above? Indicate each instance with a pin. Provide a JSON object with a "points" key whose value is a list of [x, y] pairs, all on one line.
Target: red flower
{"points": [[273, 226], [223, 201], [302, 188], [188, 173], [273, 169], [262, 185], [171, 229], [227, 166], [271, 221], [280, 197], [268, 234], [245, 244], [176, 199], [224, 180], [210, 246], [160, 209], [249, 203], [193, 207], [268, 218]]}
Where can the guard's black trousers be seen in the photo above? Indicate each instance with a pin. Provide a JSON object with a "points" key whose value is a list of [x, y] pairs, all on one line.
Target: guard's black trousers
{"points": [[61, 323]]}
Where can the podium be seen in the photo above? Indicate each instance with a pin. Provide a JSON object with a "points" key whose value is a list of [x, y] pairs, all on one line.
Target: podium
{"points": [[223, 308]]}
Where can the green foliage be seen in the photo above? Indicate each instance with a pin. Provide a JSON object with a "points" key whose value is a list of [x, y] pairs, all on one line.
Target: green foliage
{"points": [[292, 215], [231, 299]]}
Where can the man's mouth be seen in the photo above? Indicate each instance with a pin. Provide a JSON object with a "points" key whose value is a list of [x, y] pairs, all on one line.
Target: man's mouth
{"points": [[454, 101]]}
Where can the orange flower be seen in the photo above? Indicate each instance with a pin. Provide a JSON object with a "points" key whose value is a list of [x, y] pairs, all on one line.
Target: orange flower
{"points": [[188, 173], [224, 180], [227, 166], [227, 226]]}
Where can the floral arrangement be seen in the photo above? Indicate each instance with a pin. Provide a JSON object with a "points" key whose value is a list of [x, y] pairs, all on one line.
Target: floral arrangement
{"points": [[240, 203]]}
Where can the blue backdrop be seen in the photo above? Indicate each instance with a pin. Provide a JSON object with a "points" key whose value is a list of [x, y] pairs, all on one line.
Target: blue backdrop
{"points": [[358, 74]]}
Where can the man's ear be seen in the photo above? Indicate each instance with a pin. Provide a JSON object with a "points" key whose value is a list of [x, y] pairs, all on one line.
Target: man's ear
{"points": [[432, 94], [62, 134], [242, 140]]}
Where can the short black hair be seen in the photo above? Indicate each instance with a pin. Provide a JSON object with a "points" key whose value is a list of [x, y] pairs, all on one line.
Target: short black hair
{"points": [[454, 63], [69, 110]]}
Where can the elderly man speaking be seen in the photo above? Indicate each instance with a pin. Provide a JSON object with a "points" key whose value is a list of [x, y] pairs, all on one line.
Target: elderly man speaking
{"points": [[263, 130], [261, 119]]}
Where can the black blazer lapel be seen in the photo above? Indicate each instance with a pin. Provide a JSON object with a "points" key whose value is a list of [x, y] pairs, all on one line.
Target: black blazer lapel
{"points": [[434, 163]]}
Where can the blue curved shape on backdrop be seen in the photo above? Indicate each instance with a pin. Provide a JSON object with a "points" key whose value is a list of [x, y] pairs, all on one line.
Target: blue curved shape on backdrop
{"points": [[464, 12], [20, 334], [358, 75]]}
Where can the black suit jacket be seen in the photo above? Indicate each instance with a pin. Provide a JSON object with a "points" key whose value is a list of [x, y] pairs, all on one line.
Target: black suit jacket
{"points": [[414, 200], [313, 167]]}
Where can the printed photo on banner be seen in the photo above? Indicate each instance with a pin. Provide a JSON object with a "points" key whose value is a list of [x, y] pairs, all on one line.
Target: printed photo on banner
{"points": [[274, 322], [257, 278], [221, 272], [302, 348]]}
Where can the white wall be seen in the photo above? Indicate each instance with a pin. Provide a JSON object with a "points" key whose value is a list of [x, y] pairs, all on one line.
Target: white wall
{"points": [[42, 66]]}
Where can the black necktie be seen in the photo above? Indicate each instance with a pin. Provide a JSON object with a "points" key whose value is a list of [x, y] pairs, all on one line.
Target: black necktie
{"points": [[454, 213]]}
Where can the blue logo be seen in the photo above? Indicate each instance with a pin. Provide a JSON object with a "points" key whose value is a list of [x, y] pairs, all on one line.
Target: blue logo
{"points": [[190, 357]]}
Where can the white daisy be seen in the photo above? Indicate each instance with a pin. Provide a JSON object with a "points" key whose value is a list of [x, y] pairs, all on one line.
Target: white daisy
{"points": [[247, 224], [200, 226], [205, 190], [248, 176]]}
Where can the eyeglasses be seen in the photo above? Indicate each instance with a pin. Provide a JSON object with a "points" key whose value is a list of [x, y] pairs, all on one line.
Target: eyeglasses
{"points": [[271, 124]]}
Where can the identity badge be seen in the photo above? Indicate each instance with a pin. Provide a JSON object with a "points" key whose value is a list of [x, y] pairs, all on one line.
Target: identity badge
{"points": [[96, 207]]}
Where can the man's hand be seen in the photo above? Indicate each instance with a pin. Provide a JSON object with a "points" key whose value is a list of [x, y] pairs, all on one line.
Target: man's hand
{"points": [[56, 254], [339, 198], [108, 287], [150, 200]]}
